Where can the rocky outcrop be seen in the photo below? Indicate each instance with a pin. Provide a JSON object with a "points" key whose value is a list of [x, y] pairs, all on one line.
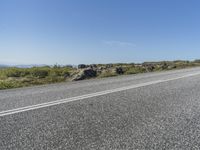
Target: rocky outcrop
{"points": [[85, 74], [93, 66]]}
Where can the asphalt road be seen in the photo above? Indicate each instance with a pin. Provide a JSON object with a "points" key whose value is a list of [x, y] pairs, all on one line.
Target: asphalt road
{"points": [[145, 111]]}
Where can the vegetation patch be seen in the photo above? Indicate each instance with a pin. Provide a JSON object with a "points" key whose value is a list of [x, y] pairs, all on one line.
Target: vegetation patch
{"points": [[12, 77]]}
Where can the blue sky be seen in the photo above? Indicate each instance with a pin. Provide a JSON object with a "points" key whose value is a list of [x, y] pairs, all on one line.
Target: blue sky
{"points": [[98, 31]]}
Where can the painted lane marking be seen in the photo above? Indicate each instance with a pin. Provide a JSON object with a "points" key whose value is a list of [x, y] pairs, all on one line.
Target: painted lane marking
{"points": [[61, 101]]}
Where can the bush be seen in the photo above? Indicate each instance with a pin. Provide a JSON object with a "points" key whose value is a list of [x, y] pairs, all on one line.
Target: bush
{"points": [[61, 72], [55, 72], [197, 61], [54, 79], [65, 73], [107, 73], [16, 72], [9, 84], [134, 70], [39, 72]]}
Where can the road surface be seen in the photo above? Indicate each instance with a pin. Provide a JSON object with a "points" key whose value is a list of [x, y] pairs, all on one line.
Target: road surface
{"points": [[144, 111]]}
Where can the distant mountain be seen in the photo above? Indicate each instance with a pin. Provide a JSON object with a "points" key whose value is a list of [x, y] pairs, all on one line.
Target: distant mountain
{"points": [[3, 66], [29, 66], [22, 66]]}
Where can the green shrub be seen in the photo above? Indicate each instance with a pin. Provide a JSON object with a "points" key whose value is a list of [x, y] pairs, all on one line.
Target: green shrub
{"points": [[134, 70], [55, 72], [54, 79], [107, 74], [60, 72], [39, 72], [16, 72], [9, 84], [66, 73]]}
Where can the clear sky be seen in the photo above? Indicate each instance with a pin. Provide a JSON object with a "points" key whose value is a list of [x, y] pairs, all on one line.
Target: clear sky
{"points": [[98, 31]]}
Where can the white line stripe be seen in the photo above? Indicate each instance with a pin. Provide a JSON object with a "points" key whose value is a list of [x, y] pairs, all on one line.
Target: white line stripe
{"points": [[57, 102]]}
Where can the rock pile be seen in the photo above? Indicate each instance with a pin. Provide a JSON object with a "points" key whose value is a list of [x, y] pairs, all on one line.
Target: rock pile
{"points": [[85, 74]]}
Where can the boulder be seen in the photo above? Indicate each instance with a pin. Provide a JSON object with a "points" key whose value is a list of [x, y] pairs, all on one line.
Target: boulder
{"points": [[119, 70]]}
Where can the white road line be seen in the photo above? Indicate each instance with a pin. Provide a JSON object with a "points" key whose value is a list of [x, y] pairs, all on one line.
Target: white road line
{"points": [[57, 102]]}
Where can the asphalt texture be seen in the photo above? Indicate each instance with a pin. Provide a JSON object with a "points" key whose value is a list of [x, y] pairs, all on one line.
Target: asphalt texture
{"points": [[159, 116]]}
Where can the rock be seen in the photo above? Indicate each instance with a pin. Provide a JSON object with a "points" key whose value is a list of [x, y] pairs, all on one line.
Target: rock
{"points": [[171, 67], [85, 74], [93, 66], [66, 75], [150, 68], [164, 66], [119, 70], [109, 66], [82, 66], [102, 68]]}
